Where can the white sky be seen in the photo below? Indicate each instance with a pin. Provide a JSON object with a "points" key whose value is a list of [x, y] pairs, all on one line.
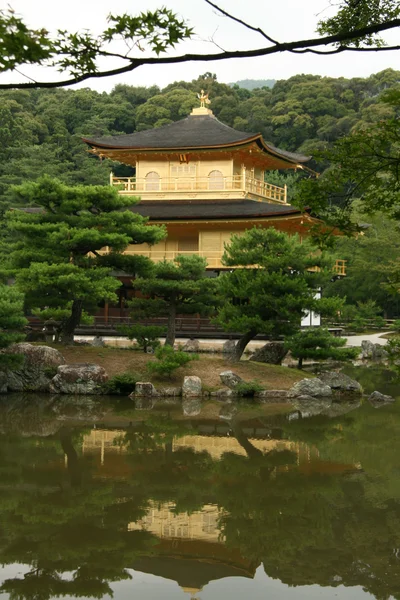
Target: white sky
{"points": [[284, 20]]}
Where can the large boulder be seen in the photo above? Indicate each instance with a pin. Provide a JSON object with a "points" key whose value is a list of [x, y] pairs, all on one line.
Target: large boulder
{"points": [[228, 347], [372, 351], [230, 379], [341, 382], [97, 342], [377, 399], [191, 386], [79, 379], [144, 388], [272, 353], [191, 345], [310, 387], [39, 366]]}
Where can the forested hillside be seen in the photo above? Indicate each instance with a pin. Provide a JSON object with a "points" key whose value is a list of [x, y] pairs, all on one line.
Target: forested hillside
{"points": [[41, 130]]}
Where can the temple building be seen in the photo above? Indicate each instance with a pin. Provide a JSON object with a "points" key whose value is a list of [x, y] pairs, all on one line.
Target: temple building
{"points": [[204, 181]]}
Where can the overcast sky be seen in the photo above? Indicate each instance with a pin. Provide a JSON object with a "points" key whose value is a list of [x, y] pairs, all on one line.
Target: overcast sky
{"points": [[282, 19]]}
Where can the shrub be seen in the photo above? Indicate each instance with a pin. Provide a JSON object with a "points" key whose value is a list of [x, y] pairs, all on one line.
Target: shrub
{"points": [[145, 335], [318, 344], [248, 389], [393, 350], [168, 360], [122, 384], [396, 326]]}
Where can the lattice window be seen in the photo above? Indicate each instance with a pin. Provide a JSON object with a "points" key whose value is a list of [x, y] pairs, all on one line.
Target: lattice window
{"points": [[215, 180], [152, 181], [183, 170]]}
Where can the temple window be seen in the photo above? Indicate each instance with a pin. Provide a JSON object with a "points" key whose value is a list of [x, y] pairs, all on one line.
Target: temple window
{"points": [[215, 180], [152, 181], [185, 170]]}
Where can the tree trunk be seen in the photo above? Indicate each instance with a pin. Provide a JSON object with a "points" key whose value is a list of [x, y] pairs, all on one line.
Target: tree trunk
{"points": [[69, 326], [171, 327], [300, 363], [241, 344]]}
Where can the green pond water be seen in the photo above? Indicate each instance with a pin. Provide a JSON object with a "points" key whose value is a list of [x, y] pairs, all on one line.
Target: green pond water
{"points": [[100, 500]]}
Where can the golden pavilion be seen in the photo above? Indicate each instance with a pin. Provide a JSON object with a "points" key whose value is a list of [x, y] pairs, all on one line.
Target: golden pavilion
{"points": [[204, 181]]}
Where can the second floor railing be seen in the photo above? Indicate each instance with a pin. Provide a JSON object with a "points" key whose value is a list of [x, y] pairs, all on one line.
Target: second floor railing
{"points": [[205, 185]]}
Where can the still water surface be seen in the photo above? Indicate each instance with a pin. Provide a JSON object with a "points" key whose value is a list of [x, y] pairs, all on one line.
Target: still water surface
{"points": [[101, 503]]}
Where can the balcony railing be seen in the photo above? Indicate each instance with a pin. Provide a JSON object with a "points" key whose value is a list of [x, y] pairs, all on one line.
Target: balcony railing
{"points": [[204, 186], [214, 259]]}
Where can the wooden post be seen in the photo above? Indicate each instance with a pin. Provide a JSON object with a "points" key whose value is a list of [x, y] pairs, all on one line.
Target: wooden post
{"points": [[285, 197], [111, 177], [243, 177]]}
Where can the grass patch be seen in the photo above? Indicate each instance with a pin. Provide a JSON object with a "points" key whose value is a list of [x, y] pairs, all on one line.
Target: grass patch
{"points": [[208, 367]]}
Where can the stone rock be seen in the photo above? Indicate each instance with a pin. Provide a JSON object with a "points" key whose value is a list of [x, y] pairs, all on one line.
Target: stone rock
{"points": [[228, 412], [224, 394], [191, 406], [191, 386], [272, 353], [341, 382], [172, 392], [309, 406], [144, 388], [266, 396], [191, 345], [144, 402], [230, 379], [35, 373], [97, 342], [228, 347], [310, 387], [377, 399], [79, 378], [373, 351]]}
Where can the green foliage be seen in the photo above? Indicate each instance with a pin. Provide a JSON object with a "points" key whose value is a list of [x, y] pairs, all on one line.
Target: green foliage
{"points": [[396, 326], [145, 335], [54, 252], [168, 360], [122, 384], [77, 53], [272, 298], [393, 349], [12, 322], [364, 164], [175, 287], [247, 389], [318, 344], [352, 16]]}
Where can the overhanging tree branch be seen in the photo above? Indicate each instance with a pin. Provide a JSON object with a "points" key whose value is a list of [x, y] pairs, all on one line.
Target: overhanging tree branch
{"points": [[344, 40]]}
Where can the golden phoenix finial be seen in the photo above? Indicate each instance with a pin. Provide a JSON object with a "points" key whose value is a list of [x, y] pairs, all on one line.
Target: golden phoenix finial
{"points": [[203, 99]]}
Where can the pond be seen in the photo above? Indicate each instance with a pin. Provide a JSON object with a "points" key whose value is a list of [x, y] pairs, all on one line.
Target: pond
{"points": [[100, 501]]}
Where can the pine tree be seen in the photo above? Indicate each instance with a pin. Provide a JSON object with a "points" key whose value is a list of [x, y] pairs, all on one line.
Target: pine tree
{"points": [[175, 287], [55, 254], [317, 343], [271, 286]]}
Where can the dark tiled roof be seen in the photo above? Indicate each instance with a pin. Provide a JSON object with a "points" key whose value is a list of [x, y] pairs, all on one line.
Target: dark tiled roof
{"points": [[193, 132], [176, 211]]}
